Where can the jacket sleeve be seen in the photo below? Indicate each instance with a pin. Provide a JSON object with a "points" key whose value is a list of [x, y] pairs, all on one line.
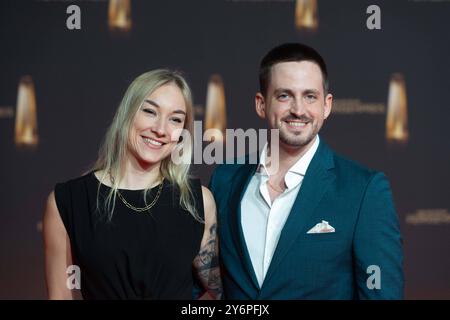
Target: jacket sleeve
{"points": [[377, 244]]}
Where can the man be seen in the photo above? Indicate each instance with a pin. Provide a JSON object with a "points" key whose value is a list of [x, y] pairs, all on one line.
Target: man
{"points": [[321, 226]]}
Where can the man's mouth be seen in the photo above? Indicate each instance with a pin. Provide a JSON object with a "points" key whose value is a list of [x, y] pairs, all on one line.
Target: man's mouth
{"points": [[296, 123]]}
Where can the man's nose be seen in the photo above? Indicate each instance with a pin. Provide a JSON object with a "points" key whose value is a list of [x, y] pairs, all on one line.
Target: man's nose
{"points": [[297, 107]]}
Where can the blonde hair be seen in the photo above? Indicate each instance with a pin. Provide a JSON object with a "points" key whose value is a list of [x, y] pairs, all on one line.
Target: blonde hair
{"points": [[113, 151]]}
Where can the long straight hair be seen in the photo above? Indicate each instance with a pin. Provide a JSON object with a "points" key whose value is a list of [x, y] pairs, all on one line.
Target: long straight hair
{"points": [[114, 149]]}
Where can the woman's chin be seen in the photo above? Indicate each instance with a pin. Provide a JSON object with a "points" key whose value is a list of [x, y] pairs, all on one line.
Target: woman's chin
{"points": [[149, 161]]}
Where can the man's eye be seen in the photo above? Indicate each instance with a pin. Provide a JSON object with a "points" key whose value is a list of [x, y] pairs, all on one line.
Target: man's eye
{"points": [[310, 97], [283, 96]]}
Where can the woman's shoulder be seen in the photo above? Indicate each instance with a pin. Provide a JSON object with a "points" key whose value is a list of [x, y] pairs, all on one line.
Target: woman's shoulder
{"points": [[194, 181], [198, 188], [209, 206], [207, 195], [73, 184]]}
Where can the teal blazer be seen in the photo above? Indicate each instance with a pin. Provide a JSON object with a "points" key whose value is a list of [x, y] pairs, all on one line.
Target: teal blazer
{"points": [[356, 201]]}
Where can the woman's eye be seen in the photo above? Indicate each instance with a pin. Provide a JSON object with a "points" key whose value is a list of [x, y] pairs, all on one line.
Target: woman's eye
{"points": [[149, 111], [177, 120]]}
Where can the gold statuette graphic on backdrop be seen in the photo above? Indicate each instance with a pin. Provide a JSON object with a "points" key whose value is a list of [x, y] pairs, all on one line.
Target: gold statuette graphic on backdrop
{"points": [[26, 120], [306, 15], [119, 15], [216, 117], [397, 111]]}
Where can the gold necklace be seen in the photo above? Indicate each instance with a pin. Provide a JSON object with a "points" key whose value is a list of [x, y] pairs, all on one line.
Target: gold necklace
{"points": [[142, 209]]}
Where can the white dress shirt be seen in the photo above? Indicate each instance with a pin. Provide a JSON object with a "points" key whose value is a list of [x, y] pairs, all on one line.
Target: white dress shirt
{"points": [[262, 220]]}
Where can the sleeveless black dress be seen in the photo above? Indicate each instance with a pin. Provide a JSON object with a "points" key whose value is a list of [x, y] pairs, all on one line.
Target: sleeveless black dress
{"points": [[135, 255]]}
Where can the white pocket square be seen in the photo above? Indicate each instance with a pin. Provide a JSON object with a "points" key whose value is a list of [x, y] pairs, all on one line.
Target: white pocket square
{"points": [[322, 227]]}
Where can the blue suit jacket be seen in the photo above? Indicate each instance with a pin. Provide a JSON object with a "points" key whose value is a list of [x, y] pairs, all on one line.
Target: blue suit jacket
{"points": [[356, 201]]}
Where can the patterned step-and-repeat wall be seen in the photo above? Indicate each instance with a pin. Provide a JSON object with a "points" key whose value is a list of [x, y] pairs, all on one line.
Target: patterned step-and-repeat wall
{"points": [[66, 64]]}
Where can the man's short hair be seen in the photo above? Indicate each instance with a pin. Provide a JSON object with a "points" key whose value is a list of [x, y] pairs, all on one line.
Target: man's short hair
{"points": [[288, 52]]}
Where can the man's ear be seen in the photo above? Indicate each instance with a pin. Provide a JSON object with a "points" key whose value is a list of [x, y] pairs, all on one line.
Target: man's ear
{"points": [[328, 105], [260, 105]]}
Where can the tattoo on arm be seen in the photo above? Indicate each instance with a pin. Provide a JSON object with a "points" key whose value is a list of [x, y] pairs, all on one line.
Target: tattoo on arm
{"points": [[206, 264]]}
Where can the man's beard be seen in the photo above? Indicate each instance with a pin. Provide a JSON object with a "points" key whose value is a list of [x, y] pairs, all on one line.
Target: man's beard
{"points": [[300, 140]]}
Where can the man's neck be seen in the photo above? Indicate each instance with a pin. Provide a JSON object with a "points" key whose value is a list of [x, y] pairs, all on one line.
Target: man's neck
{"points": [[289, 155]]}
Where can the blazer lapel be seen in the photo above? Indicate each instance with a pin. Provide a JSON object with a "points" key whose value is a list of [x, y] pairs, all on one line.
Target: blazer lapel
{"points": [[316, 181], [239, 186]]}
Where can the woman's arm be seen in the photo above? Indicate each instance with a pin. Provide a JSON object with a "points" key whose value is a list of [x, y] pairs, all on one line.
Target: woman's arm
{"points": [[206, 263], [57, 252]]}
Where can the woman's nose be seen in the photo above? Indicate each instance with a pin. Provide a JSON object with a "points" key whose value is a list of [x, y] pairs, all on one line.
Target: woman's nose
{"points": [[158, 128]]}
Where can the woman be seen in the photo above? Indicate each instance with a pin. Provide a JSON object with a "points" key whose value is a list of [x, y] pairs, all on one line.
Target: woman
{"points": [[137, 226]]}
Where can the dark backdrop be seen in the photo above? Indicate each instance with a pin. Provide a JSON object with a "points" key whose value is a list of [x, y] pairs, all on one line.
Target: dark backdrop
{"points": [[81, 75]]}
